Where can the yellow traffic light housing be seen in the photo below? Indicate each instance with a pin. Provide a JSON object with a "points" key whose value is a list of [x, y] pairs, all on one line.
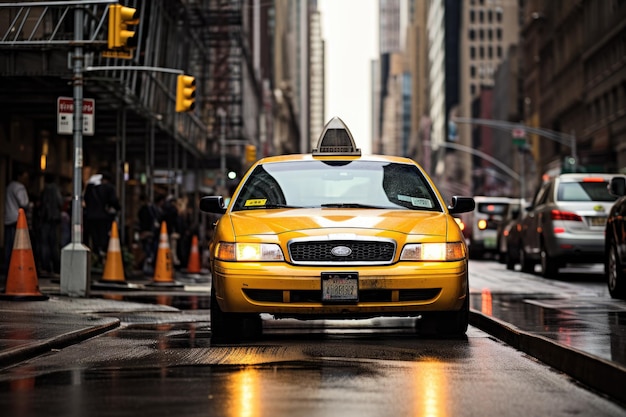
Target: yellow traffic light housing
{"points": [[185, 93], [120, 18], [250, 153]]}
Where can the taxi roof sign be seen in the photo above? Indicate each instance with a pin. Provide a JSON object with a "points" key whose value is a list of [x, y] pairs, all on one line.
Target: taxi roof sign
{"points": [[336, 139]]}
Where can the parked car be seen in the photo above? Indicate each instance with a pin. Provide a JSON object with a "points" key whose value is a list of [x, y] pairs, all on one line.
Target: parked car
{"points": [[483, 223], [509, 236], [565, 222], [512, 213], [615, 241], [337, 234]]}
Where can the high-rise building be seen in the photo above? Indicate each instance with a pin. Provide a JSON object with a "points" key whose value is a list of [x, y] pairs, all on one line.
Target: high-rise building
{"points": [[488, 28], [443, 92], [316, 83]]}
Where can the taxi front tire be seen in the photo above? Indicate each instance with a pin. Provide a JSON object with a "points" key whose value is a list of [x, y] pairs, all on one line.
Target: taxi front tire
{"points": [[233, 327], [447, 324]]}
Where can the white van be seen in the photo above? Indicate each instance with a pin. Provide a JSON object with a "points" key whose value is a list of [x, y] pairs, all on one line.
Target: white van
{"points": [[483, 224]]}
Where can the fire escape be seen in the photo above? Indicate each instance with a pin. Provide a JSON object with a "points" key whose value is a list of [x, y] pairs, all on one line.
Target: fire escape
{"points": [[221, 27]]}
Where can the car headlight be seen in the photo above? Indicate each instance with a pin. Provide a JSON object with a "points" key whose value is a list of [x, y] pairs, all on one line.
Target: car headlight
{"points": [[249, 252], [454, 251]]}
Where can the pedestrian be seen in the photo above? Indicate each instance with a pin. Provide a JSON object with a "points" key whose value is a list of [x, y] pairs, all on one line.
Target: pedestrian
{"points": [[100, 207], [148, 216], [66, 222], [170, 217], [16, 198], [50, 209]]}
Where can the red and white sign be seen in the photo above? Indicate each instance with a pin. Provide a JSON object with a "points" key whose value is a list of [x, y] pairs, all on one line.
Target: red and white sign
{"points": [[65, 111], [519, 133]]}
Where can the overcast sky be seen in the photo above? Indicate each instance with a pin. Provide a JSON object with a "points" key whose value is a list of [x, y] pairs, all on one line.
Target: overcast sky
{"points": [[350, 29]]}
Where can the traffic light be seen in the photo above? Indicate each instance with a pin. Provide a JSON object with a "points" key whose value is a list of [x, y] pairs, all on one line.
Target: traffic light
{"points": [[120, 17], [250, 153], [185, 93]]}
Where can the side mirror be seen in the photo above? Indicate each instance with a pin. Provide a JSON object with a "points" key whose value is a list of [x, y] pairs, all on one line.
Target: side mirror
{"points": [[617, 186], [213, 204], [461, 205]]}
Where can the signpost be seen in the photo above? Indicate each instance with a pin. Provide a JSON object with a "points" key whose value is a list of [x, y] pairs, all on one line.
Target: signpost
{"points": [[519, 136], [65, 114]]}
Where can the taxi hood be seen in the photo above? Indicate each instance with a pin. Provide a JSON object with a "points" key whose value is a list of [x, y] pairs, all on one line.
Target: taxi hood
{"points": [[318, 221]]}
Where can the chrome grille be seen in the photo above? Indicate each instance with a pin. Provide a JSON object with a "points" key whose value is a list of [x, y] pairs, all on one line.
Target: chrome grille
{"points": [[363, 252]]}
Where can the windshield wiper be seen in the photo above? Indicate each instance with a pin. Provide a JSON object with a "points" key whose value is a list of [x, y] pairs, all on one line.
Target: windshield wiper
{"points": [[352, 205]]}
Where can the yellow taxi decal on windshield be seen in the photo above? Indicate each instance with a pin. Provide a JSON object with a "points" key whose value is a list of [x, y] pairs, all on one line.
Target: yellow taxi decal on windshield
{"points": [[256, 202]]}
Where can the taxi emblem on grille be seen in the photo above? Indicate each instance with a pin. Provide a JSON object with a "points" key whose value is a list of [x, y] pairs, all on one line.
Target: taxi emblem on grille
{"points": [[341, 251]]}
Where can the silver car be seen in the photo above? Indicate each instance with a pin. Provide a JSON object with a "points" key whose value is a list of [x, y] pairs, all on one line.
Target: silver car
{"points": [[565, 222]]}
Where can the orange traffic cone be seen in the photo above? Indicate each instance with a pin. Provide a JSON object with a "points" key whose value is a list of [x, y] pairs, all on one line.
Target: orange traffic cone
{"points": [[193, 265], [22, 282], [163, 269], [114, 266]]}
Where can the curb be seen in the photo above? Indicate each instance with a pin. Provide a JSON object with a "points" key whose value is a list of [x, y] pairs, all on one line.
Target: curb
{"points": [[18, 354], [598, 374]]}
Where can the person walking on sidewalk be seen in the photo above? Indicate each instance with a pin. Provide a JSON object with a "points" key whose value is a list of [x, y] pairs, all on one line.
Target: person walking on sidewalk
{"points": [[149, 216], [101, 206], [16, 198], [50, 227]]}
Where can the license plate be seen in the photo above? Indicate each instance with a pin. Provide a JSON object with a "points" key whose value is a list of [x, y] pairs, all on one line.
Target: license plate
{"points": [[340, 286], [597, 221], [490, 242]]}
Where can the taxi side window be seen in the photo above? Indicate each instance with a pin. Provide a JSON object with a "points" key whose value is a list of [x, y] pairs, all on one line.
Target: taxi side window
{"points": [[262, 189]]}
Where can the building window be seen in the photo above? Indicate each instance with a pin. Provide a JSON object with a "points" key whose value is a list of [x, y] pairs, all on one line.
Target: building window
{"points": [[472, 34], [472, 16], [472, 52], [473, 71], [499, 51], [481, 52]]}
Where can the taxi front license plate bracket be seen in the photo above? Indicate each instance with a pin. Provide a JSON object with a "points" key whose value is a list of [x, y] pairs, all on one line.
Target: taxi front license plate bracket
{"points": [[340, 287]]}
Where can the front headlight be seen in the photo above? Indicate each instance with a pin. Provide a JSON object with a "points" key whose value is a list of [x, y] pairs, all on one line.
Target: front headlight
{"points": [[454, 251], [249, 252]]}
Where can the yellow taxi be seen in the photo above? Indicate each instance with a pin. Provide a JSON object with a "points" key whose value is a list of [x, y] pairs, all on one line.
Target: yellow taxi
{"points": [[337, 234]]}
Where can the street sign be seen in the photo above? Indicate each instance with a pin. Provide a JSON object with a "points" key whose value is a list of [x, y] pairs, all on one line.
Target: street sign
{"points": [[65, 113], [519, 133], [519, 136]]}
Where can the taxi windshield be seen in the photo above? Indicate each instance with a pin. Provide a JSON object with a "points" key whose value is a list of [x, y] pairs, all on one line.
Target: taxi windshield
{"points": [[336, 184]]}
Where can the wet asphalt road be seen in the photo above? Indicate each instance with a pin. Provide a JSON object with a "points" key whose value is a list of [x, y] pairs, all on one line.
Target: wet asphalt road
{"points": [[159, 364], [370, 368]]}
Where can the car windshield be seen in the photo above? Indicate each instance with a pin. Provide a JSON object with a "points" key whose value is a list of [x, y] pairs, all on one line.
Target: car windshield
{"points": [[584, 191], [337, 184]]}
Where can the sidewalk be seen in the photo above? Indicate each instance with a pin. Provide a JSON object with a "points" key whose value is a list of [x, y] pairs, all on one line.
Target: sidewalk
{"points": [[31, 328]]}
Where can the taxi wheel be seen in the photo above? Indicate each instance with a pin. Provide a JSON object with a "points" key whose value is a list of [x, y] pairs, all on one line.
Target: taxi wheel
{"points": [[447, 324], [616, 278], [233, 327]]}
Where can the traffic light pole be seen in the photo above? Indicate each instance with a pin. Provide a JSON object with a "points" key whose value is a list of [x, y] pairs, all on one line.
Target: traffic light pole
{"points": [[75, 257], [562, 138]]}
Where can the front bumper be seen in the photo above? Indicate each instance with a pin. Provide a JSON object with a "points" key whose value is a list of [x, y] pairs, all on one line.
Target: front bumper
{"points": [[283, 290]]}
